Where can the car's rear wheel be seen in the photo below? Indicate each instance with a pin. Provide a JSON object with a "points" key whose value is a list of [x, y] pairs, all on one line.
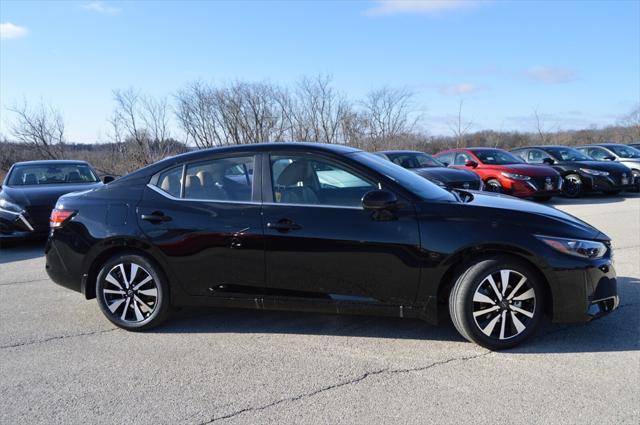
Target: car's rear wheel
{"points": [[132, 292], [497, 302], [572, 186], [494, 185]]}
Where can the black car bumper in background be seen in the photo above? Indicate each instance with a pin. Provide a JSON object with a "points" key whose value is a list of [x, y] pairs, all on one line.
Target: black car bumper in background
{"points": [[610, 183], [14, 225]]}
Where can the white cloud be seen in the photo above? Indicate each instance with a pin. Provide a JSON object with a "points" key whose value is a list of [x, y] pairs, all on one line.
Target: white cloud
{"points": [[9, 30], [551, 75], [420, 7], [460, 89], [101, 7]]}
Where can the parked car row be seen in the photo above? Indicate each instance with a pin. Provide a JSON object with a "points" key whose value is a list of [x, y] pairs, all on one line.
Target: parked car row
{"points": [[328, 228], [536, 172]]}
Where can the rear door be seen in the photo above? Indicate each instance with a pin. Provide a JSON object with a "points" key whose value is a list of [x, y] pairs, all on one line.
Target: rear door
{"points": [[320, 241], [205, 217]]}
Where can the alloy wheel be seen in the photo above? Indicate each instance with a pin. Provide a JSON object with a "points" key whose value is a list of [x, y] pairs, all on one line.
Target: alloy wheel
{"points": [[494, 186], [130, 292], [504, 304], [572, 186]]}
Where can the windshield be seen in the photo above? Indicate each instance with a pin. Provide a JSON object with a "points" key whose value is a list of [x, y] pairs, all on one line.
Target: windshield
{"points": [[496, 157], [407, 179], [625, 151], [567, 154], [28, 175], [414, 160]]}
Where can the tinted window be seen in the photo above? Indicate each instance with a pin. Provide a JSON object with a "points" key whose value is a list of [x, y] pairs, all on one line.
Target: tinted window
{"points": [[625, 151], [414, 160], [408, 179], [462, 158], [445, 158], [170, 180], [496, 157], [313, 181], [597, 153], [24, 175], [223, 179], [567, 154]]}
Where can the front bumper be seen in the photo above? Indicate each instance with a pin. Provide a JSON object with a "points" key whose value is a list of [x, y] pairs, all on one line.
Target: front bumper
{"points": [[607, 183], [14, 225], [581, 294]]}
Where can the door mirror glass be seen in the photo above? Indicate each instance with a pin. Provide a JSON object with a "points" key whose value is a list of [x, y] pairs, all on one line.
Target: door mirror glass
{"points": [[470, 163], [548, 161], [108, 179], [379, 200]]}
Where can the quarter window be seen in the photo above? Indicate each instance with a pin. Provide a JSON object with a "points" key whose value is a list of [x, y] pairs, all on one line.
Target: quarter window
{"points": [[309, 181]]}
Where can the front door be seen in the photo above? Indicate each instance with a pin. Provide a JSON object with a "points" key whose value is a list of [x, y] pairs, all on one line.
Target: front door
{"points": [[320, 241], [205, 218]]}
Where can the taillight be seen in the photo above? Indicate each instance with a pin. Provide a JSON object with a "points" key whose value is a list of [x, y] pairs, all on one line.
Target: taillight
{"points": [[58, 217]]}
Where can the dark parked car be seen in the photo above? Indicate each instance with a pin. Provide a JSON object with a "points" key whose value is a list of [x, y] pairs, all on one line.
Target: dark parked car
{"points": [[330, 229], [580, 172], [623, 154], [501, 172], [634, 145], [30, 191], [430, 168]]}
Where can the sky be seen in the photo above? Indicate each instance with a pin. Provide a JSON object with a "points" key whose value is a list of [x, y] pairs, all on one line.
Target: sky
{"points": [[576, 63]]}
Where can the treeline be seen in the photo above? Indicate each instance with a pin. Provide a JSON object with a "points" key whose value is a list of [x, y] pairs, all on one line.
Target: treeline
{"points": [[144, 129]]}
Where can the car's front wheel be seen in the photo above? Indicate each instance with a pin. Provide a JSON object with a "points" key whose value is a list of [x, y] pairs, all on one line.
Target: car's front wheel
{"points": [[132, 292], [496, 302], [572, 186], [493, 185]]}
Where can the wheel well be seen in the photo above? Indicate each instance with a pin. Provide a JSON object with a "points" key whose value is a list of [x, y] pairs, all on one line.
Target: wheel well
{"points": [[94, 269], [448, 279]]}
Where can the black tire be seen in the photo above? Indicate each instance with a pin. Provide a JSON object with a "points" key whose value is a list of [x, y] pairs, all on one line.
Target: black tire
{"points": [[133, 305], [473, 283], [572, 186], [635, 174], [493, 185], [612, 192], [542, 198]]}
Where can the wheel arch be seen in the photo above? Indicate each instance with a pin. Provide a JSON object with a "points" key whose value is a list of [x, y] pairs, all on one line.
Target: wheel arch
{"points": [[462, 258]]}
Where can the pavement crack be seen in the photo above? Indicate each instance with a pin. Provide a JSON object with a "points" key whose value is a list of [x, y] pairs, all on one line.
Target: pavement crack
{"points": [[340, 384], [23, 281], [53, 338]]}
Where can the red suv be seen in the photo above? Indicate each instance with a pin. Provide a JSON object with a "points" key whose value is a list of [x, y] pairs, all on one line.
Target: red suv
{"points": [[504, 173]]}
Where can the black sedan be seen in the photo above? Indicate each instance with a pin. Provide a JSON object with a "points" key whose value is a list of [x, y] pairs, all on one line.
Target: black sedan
{"points": [[434, 170], [580, 172], [30, 191], [325, 228]]}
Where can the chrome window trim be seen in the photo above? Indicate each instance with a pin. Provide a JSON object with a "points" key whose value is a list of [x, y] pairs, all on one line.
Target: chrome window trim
{"points": [[26, 222], [169, 196]]}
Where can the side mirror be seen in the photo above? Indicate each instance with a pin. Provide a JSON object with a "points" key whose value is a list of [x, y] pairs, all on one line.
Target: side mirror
{"points": [[470, 163], [379, 200], [610, 158], [446, 164], [548, 161], [108, 179]]}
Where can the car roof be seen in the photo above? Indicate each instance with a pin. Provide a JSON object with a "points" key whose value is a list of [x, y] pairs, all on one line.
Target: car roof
{"points": [[52, 162], [399, 151], [548, 146]]}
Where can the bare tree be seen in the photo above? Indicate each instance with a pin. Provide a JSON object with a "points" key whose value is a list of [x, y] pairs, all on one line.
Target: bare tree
{"points": [[42, 127], [387, 114], [460, 127], [632, 123], [140, 127]]}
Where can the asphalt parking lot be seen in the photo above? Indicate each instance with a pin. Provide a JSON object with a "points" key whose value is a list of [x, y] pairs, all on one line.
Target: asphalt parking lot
{"points": [[61, 361]]}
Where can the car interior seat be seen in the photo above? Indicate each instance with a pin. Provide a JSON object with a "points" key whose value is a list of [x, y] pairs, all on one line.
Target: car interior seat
{"points": [[296, 184], [30, 178]]}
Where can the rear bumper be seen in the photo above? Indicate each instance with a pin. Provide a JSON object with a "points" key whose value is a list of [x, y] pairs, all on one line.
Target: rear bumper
{"points": [[58, 270]]}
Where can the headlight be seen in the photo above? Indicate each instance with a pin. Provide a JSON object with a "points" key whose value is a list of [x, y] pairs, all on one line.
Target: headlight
{"points": [[514, 176], [594, 172], [576, 247], [9, 207]]}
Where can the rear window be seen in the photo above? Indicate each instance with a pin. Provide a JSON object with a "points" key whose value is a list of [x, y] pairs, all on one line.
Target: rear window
{"points": [[28, 175]]}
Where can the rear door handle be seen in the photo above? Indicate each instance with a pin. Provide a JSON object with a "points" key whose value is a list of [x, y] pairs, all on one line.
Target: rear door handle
{"points": [[284, 225], [155, 217]]}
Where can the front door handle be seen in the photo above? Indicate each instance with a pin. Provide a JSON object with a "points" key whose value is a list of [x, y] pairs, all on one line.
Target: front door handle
{"points": [[155, 217], [284, 225]]}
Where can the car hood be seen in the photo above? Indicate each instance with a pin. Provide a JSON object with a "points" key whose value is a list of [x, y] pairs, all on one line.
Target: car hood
{"points": [[609, 166], [43, 195], [524, 169], [445, 174], [538, 218]]}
